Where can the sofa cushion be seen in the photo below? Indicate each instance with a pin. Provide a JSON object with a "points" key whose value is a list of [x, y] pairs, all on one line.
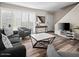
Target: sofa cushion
{"points": [[2, 47], [14, 39], [6, 41]]}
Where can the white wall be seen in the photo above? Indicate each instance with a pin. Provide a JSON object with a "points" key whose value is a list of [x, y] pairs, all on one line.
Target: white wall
{"points": [[17, 18], [37, 11], [71, 17], [59, 14], [0, 17], [6, 17], [50, 22], [19, 11]]}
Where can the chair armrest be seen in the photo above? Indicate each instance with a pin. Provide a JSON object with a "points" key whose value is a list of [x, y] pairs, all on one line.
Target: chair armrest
{"points": [[18, 51]]}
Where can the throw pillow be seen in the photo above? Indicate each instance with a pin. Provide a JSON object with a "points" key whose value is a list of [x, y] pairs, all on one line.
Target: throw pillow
{"points": [[2, 47], [6, 41]]}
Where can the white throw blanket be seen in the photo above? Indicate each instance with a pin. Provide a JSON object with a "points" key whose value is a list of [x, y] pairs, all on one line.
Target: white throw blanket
{"points": [[8, 31]]}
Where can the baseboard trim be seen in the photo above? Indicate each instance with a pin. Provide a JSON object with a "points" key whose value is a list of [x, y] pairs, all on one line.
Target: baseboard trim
{"points": [[50, 31]]}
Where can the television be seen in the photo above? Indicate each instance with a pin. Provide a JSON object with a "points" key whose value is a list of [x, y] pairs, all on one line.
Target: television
{"points": [[64, 26]]}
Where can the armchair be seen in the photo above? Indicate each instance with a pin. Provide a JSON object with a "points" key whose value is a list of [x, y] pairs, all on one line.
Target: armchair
{"points": [[23, 32]]}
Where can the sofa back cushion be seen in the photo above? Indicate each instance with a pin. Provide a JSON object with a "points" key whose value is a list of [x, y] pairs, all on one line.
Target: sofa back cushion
{"points": [[2, 31]]}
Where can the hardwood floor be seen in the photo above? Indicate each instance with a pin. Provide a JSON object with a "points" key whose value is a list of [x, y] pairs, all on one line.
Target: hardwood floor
{"points": [[66, 45], [60, 44], [33, 52]]}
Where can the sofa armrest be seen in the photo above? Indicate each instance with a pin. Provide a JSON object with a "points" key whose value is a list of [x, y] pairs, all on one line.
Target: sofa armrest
{"points": [[18, 51]]}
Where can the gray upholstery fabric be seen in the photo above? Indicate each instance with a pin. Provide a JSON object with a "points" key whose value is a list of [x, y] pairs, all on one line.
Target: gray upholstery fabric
{"points": [[18, 49], [23, 31], [17, 44], [14, 39], [51, 52]]}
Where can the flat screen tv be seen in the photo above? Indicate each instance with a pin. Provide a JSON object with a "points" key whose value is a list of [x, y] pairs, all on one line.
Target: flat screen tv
{"points": [[64, 26]]}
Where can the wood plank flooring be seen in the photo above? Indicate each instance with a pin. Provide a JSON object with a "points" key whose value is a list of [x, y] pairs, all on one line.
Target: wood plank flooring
{"points": [[60, 44], [66, 45], [33, 52]]}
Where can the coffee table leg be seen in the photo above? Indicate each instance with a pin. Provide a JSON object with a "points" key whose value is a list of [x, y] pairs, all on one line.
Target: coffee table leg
{"points": [[41, 43], [33, 41], [35, 44]]}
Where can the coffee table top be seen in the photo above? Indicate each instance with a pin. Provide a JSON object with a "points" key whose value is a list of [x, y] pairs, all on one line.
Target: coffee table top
{"points": [[42, 36]]}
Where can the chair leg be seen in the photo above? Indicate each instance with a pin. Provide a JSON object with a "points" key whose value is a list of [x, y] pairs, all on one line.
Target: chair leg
{"points": [[23, 38], [29, 36]]}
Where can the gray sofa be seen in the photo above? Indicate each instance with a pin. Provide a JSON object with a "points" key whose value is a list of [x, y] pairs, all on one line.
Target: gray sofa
{"points": [[13, 38], [18, 50]]}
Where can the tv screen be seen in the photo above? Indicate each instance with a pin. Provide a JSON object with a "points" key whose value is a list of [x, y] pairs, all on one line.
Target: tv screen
{"points": [[64, 26]]}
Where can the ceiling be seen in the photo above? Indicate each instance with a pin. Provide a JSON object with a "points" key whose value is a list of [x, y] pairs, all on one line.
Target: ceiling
{"points": [[47, 6]]}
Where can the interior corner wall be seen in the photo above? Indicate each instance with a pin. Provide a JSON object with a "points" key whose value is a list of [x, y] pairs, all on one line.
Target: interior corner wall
{"points": [[71, 17], [62, 12]]}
